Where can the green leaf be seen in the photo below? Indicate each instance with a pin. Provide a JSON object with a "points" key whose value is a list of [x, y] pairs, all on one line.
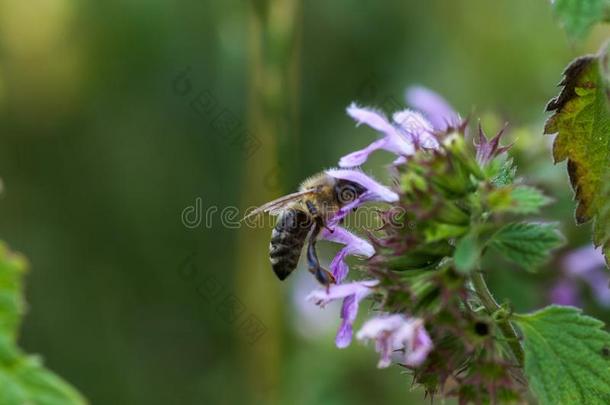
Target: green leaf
{"points": [[23, 379], [579, 16], [526, 243], [527, 200], [567, 356], [502, 171], [437, 231], [517, 200], [12, 268], [582, 124], [26, 381], [467, 253]]}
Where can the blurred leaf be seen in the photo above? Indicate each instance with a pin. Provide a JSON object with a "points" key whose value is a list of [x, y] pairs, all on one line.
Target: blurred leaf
{"points": [[526, 243], [413, 261], [12, 268], [582, 124], [436, 231], [579, 16], [23, 379], [467, 253], [26, 381], [567, 356]]}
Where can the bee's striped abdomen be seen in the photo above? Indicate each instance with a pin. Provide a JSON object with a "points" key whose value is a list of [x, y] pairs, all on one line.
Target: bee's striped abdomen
{"points": [[287, 239]]}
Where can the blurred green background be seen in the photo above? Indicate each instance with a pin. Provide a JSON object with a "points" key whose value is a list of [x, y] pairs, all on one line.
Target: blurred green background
{"points": [[116, 116]]}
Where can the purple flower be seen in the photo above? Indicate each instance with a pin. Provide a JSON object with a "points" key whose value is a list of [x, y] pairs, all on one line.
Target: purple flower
{"points": [[434, 107], [374, 191], [588, 264], [408, 129], [583, 260], [565, 292], [393, 139], [352, 294], [397, 333], [353, 246], [417, 127], [585, 264]]}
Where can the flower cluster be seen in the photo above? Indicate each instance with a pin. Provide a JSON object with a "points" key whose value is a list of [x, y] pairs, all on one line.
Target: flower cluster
{"points": [[408, 132], [429, 313]]}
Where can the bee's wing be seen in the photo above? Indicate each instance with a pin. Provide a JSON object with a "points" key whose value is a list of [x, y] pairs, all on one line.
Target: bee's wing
{"points": [[274, 207]]}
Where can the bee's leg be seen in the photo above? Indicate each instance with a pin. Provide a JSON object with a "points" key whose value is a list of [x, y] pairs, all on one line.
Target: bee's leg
{"points": [[311, 208], [323, 276]]}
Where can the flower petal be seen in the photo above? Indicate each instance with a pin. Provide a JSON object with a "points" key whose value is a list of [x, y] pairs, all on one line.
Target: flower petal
{"points": [[379, 324], [400, 160], [374, 119], [587, 264], [411, 121], [417, 127], [349, 311], [360, 156], [598, 282], [421, 345], [397, 332], [398, 146], [334, 292], [393, 141], [583, 260], [354, 244], [344, 334], [384, 348], [565, 292], [352, 294], [436, 109], [375, 191], [338, 266]]}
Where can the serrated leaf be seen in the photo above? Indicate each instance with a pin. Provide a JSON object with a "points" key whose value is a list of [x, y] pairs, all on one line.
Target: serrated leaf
{"points": [[567, 356], [23, 379], [502, 171], [526, 243], [527, 200], [579, 16], [582, 124], [517, 200]]}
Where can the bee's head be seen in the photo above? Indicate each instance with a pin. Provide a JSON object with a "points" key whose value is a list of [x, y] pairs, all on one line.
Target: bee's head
{"points": [[347, 191]]}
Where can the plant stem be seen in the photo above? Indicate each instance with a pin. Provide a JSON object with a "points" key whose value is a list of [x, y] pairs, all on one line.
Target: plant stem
{"points": [[490, 304]]}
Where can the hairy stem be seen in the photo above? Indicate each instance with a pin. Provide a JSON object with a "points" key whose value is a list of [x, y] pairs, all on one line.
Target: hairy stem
{"points": [[490, 304]]}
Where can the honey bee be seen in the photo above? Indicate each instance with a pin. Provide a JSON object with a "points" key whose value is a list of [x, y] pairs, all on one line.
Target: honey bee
{"points": [[301, 216]]}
